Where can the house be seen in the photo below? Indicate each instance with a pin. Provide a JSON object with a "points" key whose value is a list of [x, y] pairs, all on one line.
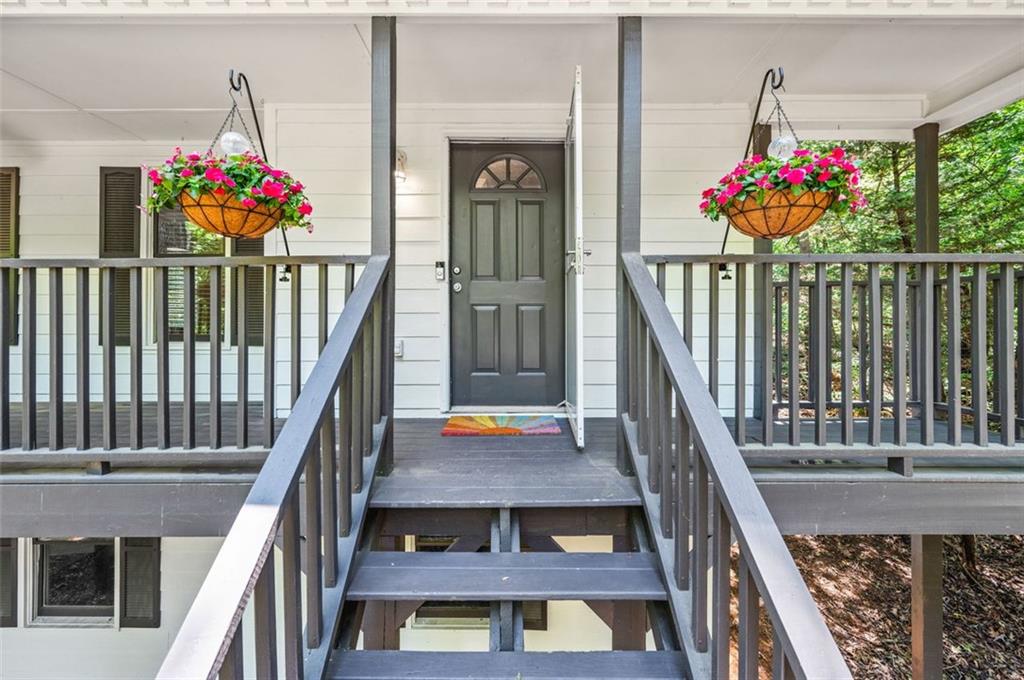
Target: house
{"points": [[225, 459]]}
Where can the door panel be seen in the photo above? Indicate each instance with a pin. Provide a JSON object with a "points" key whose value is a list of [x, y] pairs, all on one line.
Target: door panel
{"points": [[574, 265], [507, 299]]}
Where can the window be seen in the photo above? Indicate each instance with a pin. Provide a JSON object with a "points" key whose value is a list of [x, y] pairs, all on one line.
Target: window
{"points": [[9, 245], [8, 582], [174, 236], [120, 195], [508, 172], [77, 579], [253, 291]]}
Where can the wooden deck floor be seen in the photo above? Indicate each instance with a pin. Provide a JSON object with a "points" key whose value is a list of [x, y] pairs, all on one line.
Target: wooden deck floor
{"points": [[474, 472]]}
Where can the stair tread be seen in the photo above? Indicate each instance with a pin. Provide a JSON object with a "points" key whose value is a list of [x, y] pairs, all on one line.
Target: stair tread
{"points": [[505, 576], [384, 665]]}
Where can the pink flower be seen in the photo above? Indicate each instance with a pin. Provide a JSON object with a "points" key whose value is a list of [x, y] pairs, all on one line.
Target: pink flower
{"points": [[194, 157], [704, 204], [230, 182], [795, 176], [838, 153], [272, 189], [187, 172], [215, 174], [733, 189], [155, 177], [249, 202], [307, 209], [219, 191], [281, 199], [740, 171], [854, 179], [725, 180], [823, 162], [756, 158], [722, 198], [276, 174], [801, 152], [824, 176], [764, 182], [708, 193]]}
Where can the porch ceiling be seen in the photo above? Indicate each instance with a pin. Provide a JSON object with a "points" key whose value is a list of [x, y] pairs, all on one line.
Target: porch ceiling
{"points": [[160, 81]]}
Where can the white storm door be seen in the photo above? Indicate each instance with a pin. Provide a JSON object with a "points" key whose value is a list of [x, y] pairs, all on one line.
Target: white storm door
{"points": [[574, 263]]}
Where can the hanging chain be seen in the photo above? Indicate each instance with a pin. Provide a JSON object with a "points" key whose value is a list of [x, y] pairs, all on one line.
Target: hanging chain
{"points": [[229, 124], [780, 116]]}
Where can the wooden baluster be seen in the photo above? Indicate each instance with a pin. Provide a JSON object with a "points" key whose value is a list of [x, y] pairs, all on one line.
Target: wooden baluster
{"points": [[216, 321], [265, 616], [291, 547], [356, 402], [135, 394], [794, 354], [82, 393], [768, 366], [874, 355], [682, 516], [954, 416], [688, 305], [375, 343], [777, 291], [345, 462], [979, 354], [312, 544], [296, 332], [656, 376], [269, 353], [234, 662], [631, 353], [242, 340], [846, 353], [1019, 285], [740, 381], [781, 670], [108, 332], [721, 592], [189, 361], [665, 455], [367, 404], [862, 337], [699, 564], [29, 371], [328, 484], [899, 358], [927, 349], [56, 358], [1004, 355], [713, 331], [163, 373], [642, 423], [819, 350], [6, 333], [749, 621]]}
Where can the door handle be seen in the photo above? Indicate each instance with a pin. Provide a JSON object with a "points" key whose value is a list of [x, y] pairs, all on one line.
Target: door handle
{"points": [[457, 287]]}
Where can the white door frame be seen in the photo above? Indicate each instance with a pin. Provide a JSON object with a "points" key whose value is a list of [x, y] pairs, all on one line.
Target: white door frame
{"points": [[534, 133]]}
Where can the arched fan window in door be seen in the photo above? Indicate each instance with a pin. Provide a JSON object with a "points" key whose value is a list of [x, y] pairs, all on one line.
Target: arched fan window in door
{"points": [[508, 171]]}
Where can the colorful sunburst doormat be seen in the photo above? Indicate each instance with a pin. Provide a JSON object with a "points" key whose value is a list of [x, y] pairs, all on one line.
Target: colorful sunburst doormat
{"points": [[499, 426]]}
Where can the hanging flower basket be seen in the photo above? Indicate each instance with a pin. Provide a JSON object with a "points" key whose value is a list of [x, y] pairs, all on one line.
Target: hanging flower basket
{"points": [[227, 216], [237, 196], [774, 197], [781, 214]]}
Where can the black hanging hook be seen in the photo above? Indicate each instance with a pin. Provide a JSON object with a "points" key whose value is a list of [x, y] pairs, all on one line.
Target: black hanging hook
{"points": [[235, 84], [774, 77]]}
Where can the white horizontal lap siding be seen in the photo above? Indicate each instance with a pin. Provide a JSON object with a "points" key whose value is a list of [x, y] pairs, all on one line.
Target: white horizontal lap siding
{"points": [[685, 149]]}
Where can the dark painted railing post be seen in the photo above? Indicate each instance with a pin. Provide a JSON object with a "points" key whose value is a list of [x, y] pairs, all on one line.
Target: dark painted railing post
{"points": [[628, 204], [382, 207]]}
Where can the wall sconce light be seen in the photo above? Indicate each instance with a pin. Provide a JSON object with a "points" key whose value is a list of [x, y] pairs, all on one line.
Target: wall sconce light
{"points": [[400, 165]]}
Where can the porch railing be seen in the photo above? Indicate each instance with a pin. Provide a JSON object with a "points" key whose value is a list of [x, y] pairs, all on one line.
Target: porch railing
{"points": [[674, 426], [155, 372], [327, 453], [860, 355]]}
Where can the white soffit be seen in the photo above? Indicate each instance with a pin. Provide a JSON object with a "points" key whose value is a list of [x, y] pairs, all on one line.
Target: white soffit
{"points": [[168, 80]]}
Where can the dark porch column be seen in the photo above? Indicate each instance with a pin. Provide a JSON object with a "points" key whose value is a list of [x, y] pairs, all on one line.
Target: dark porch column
{"points": [[926, 191], [382, 204], [926, 606], [762, 246], [627, 230]]}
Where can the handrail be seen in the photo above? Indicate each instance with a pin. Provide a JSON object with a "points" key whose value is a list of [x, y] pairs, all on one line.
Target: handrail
{"points": [[801, 633], [179, 261], [840, 258], [208, 633]]}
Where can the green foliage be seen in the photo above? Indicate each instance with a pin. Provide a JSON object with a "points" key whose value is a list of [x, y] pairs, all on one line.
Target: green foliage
{"points": [[981, 193]]}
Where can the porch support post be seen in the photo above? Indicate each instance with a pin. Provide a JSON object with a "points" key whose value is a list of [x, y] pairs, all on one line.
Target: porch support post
{"points": [[762, 246], [926, 191], [382, 206], [627, 231], [926, 606]]}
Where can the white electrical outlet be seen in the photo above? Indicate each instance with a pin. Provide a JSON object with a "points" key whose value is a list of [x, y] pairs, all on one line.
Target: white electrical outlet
{"points": [[399, 348]]}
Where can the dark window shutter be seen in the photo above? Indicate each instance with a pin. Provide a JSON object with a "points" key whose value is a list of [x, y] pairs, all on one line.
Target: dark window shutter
{"points": [[253, 291], [140, 582], [120, 195], [9, 242], [8, 582]]}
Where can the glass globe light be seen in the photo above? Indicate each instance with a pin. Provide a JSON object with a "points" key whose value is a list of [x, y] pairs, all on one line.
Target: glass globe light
{"points": [[782, 147], [234, 143]]}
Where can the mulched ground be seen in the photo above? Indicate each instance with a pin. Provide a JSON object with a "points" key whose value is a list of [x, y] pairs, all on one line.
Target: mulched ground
{"points": [[862, 586]]}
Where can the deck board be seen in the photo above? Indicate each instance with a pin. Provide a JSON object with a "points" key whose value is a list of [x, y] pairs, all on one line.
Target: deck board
{"points": [[473, 472]]}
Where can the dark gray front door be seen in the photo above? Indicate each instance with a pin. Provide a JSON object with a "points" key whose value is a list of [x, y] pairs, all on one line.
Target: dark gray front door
{"points": [[506, 275]]}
